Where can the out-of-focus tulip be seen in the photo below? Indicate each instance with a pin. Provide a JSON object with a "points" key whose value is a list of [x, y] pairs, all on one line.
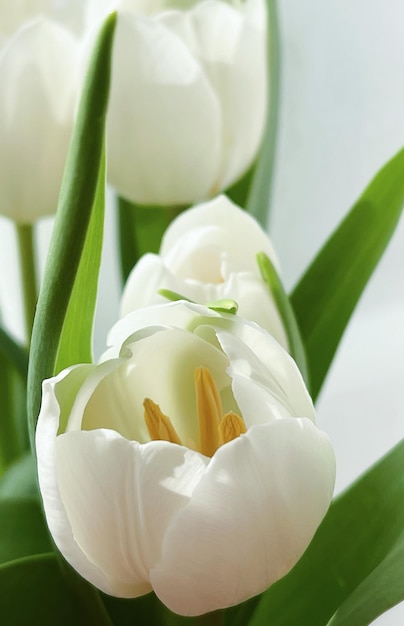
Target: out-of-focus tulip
{"points": [[187, 462], [209, 253], [40, 76], [188, 96]]}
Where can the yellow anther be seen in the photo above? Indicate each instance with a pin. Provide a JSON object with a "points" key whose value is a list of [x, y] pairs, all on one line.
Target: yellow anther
{"points": [[209, 410], [158, 424], [231, 426]]}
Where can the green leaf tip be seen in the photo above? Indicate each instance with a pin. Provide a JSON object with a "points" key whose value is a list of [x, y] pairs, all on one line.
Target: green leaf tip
{"points": [[271, 279], [224, 306], [78, 197], [173, 296], [221, 306]]}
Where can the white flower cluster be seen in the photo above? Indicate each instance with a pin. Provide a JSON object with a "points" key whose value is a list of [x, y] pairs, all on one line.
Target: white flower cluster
{"points": [[187, 461]]}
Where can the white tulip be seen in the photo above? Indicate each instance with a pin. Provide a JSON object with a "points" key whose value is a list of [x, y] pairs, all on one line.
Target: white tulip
{"points": [[209, 253], [188, 96], [39, 75], [187, 462]]}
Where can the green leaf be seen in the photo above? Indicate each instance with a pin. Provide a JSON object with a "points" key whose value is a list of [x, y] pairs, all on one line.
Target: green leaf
{"points": [[76, 338], [33, 592], [173, 296], [225, 305], [360, 531], [25, 556], [16, 354], [380, 591], [20, 480], [327, 294], [23, 531], [271, 278], [141, 229], [259, 194], [240, 615], [13, 418], [77, 197], [238, 192], [144, 610]]}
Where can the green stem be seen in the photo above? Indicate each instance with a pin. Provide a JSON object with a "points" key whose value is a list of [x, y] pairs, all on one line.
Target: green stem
{"points": [[140, 230], [25, 237]]}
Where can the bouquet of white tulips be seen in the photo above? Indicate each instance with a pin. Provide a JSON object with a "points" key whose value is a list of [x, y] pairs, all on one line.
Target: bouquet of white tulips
{"points": [[180, 477]]}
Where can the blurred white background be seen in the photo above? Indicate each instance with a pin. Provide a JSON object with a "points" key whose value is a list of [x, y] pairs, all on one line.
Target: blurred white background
{"points": [[342, 117]]}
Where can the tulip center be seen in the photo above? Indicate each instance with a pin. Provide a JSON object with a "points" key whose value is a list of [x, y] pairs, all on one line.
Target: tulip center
{"points": [[215, 428]]}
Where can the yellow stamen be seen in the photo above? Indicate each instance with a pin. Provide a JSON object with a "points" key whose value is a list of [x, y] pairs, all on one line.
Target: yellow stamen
{"points": [[231, 426], [209, 410], [158, 424]]}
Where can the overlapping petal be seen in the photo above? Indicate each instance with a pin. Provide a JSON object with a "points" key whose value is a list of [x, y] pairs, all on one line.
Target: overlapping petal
{"points": [[249, 520], [133, 513], [231, 48], [188, 96], [209, 253], [163, 118]]}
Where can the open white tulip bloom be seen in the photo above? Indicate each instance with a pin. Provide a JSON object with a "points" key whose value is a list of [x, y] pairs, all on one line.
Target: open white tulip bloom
{"points": [[39, 76], [188, 96], [209, 253], [187, 462]]}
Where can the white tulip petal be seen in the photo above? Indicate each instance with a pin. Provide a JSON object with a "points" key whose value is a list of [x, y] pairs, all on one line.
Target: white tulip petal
{"points": [[220, 223], [99, 489], [37, 105], [161, 367], [249, 519], [64, 386], [14, 14], [255, 303], [148, 276], [163, 117], [255, 355], [134, 515], [120, 497], [232, 51], [209, 253], [174, 314]]}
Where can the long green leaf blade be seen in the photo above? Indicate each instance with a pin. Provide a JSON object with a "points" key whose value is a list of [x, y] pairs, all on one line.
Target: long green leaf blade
{"points": [[360, 530], [33, 590], [380, 591], [271, 278], [76, 338], [13, 418], [327, 294], [23, 530], [20, 480], [14, 352], [76, 200]]}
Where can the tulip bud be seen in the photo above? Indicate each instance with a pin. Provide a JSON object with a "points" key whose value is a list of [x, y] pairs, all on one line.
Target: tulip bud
{"points": [[209, 253], [39, 75], [187, 462], [188, 97]]}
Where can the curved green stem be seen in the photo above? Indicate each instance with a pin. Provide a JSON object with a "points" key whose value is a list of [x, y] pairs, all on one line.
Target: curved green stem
{"points": [[25, 237], [140, 230]]}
